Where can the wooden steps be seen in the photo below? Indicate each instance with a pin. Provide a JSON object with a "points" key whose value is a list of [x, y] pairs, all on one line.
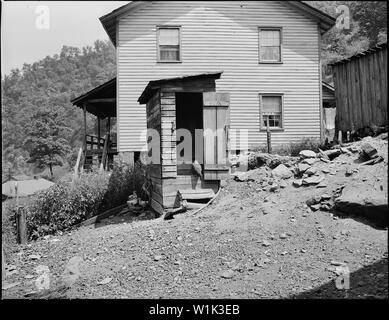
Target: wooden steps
{"points": [[196, 194]]}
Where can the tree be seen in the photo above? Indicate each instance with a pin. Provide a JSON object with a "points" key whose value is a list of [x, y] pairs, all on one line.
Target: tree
{"points": [[47, 141]]}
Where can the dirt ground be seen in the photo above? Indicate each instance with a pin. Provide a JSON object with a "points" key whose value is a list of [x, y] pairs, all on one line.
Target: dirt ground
{"points": [[250, 243]]}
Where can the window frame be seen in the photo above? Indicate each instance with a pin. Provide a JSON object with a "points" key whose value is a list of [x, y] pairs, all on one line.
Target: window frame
{"points": [[261, 125], [179, 43], [280, 29]]}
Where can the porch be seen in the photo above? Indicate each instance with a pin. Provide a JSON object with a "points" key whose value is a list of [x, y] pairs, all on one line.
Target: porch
{"points": [[99, 149]]}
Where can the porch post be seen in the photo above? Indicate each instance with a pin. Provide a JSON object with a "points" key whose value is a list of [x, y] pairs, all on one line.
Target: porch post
{"points": [[84, 106], [98, 132]]}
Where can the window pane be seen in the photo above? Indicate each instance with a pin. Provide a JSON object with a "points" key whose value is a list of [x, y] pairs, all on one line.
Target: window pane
{"points": [[270, 45], [270, 53], [169, 53], [270, 38], [271, 104], [169, 36]]}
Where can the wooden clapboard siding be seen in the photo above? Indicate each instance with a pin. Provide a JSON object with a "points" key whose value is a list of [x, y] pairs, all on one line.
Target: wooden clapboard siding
{"points": [[222, 35], [361, 90]]}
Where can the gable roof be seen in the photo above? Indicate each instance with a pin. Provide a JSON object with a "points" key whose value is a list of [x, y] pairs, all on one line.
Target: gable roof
{"points": [[109, 20], [100, 101], [154, 85]]}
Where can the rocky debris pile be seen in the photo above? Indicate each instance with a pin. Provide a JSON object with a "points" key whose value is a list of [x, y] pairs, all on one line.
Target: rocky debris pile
{"points": [[366, 201], [252, 160]]}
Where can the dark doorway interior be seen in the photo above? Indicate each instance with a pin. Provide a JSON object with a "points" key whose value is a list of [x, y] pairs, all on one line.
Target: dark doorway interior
{"points": [[189, 115]]}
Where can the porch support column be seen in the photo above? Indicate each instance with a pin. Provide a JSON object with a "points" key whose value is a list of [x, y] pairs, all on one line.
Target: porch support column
{"points": [[98, 132], [84, 107]]}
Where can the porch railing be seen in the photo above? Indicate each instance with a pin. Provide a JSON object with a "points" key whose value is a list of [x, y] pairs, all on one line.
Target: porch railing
{"points": [[94, 142]]}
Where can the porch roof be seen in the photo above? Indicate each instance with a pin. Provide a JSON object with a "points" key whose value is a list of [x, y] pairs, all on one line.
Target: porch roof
{"points": [[100, 101], [154, 85]]}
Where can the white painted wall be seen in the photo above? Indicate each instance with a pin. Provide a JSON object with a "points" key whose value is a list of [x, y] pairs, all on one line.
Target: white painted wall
{"points": [[223, 35]]}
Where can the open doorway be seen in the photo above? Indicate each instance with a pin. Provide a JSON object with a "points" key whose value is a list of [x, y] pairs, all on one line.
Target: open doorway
{"points": [[189, 116]]}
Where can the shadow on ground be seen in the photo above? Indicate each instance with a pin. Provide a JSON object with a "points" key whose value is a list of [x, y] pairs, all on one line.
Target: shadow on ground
{"points": [[377, 221], [126, 216], [370, 282]]}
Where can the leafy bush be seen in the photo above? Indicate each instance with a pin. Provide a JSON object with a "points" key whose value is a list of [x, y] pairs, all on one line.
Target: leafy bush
{"points": [[62, 206]]}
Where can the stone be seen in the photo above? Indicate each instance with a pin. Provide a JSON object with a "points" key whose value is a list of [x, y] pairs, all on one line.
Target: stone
{"points": [[348, 173], [105, 281], [313, 180], [302, 167], [325, 160], [311, 171], [307, 154], [227, 274], [325, 170], [325, 196], [298, 183], [315, 207], [274, 187], [157, 257], [283, 236], [365, 201], [283, 184], [369, 151], [309, 161], [266, 243], [282, 172], [34, 257], [322, 184]]}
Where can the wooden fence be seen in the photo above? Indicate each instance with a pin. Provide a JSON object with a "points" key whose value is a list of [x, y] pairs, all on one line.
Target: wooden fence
{"points": [[361, 90]]}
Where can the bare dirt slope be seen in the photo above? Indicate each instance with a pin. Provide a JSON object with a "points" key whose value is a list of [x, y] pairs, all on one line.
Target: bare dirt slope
{"points": [[250, 243]]}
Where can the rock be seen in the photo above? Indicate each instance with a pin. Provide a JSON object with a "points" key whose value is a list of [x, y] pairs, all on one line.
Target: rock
{"points": [[315, 207], [302, 167], [303, 250], [283, 236], [366, 201], [336, 263], [34, 257], [309, 161], [282, 172], [6, 285], [240, 176], [266, 243], [322, 184], [325, 170], [368, 151], [274, 188], [283, 184], [72, 271], [348, 173], [325, 196], [298, 183], [29, 276], [313, 200], [157, 257], [307, 154], [325, 160], [105, 281], [313, 180], [311, 171], [227, 274]]}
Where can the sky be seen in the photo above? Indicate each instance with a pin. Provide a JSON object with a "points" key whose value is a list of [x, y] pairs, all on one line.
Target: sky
{"points": [[31, 30]]}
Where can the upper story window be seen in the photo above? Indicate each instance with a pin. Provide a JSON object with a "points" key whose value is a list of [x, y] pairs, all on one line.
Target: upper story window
{"points": [[270, 45], [169, 44], [271, 111]]}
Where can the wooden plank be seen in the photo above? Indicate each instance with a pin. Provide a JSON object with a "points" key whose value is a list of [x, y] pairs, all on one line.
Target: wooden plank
{"points": [[215, 99], [155, 205], [209, 115], [101, 216], [221, 122], [189, 194]]}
